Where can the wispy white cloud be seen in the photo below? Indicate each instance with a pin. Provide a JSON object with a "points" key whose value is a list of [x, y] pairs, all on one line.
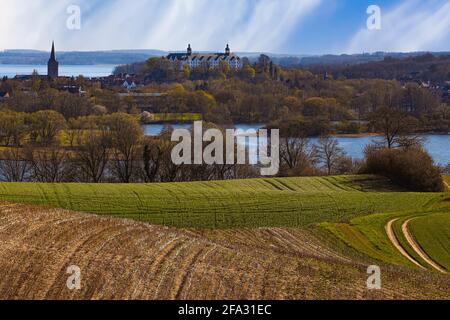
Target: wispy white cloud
{"points": [[250, 25], [414, 25]]}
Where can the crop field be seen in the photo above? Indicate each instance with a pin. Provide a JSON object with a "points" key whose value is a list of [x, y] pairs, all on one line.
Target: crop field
{"points": [[433, 235], [428, 243], [278, 238], [289, 202], [399, 234], [123, 259]]}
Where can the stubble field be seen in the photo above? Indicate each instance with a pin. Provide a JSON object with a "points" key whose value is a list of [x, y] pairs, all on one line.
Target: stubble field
{"points": [[295, 238]]}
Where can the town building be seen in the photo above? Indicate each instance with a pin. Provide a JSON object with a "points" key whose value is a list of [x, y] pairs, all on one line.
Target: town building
{"points": [[53, 65], [213, 61], [4, 95], [129, 84]]}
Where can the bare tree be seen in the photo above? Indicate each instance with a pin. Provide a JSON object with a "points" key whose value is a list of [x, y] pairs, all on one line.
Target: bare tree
{"points": [[14, 167], [329, 153], [50, 165], [93, 154], [126, 134], [397, 127], [297, 155], [152, 159], [169, 172]]}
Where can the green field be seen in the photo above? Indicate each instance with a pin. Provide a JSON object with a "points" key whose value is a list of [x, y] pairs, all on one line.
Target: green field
{"points": [[402, 239], [351, 209], [290, 202], [429, 227], [433, 234], [177, 117], [367, 235]]}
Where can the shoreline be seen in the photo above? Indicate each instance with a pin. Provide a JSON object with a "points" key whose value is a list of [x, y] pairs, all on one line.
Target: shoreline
{"points": [[338, 135]]}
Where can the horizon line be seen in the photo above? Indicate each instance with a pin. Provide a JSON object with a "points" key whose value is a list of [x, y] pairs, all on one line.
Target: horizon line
{"points": [[241, 52]]}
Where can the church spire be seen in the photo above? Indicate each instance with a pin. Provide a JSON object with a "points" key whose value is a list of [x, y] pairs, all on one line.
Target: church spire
{"points": [[53, 65], [52, 55]]}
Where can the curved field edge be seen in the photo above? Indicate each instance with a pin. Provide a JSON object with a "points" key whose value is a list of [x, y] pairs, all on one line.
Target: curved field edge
{"points": [[123, 259], [397, 227], [432, 233], [275, 202], [367, 235]]}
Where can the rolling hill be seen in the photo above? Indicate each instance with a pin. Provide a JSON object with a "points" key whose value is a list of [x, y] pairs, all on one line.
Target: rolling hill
{"points": [[122, 259], [288, 202], [278, 238]]}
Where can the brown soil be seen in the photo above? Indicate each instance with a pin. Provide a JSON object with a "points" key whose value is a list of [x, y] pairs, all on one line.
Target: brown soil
{"points": [[122, 259]]}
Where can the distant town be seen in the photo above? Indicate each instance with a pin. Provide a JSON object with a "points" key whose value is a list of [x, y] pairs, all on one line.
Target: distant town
{"points": [[188, 59], [193, 60], [215, 87]]}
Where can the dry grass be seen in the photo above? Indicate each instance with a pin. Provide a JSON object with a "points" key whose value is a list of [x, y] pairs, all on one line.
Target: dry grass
{"points": [[123, 259]]}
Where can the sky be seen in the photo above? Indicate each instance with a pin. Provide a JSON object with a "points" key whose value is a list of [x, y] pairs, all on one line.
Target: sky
{"points": [[275, 26]]}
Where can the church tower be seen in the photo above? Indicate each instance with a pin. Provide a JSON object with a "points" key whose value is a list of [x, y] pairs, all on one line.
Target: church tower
{"points": [[189, 50], [53, 65], [227, 50]]}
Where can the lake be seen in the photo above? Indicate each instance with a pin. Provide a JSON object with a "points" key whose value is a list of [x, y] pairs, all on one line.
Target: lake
{"points": [[438, 146], [88, 71]]}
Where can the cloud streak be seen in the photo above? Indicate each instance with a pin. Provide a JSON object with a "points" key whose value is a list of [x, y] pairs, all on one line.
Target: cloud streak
{"points": [[411, 26], [249, 25]]}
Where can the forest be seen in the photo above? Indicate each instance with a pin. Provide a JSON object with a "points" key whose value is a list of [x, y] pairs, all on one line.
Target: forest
{"points": [[317, 100], [51, 134]]}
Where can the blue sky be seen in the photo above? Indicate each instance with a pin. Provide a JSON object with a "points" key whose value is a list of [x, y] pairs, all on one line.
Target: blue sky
{"points": [[278, 26]]}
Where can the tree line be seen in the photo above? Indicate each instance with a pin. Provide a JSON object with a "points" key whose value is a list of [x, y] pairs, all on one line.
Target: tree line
{"points": [[322, 103], [44, 147]]}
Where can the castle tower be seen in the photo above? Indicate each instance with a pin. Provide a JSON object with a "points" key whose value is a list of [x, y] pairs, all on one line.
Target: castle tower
{"points": [[227, 50], [189, 50], [53, 65]]}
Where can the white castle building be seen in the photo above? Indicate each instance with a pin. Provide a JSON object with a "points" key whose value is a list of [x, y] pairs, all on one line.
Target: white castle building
{"points": [[195, 60]]}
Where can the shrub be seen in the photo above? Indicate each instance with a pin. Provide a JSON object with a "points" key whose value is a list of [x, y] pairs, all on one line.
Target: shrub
{"points": [[412, 168]]}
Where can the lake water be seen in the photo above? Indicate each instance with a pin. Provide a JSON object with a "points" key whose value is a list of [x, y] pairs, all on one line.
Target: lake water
{"points": [[438, 146], [88, 71], [156, 129]]}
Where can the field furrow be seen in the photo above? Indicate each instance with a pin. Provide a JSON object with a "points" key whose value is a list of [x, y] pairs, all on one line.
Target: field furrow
{"points": [[122, 259]]}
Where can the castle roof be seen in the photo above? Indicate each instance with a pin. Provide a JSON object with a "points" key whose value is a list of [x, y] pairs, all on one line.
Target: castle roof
{"points": [[202, 56], [208, 57]]}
